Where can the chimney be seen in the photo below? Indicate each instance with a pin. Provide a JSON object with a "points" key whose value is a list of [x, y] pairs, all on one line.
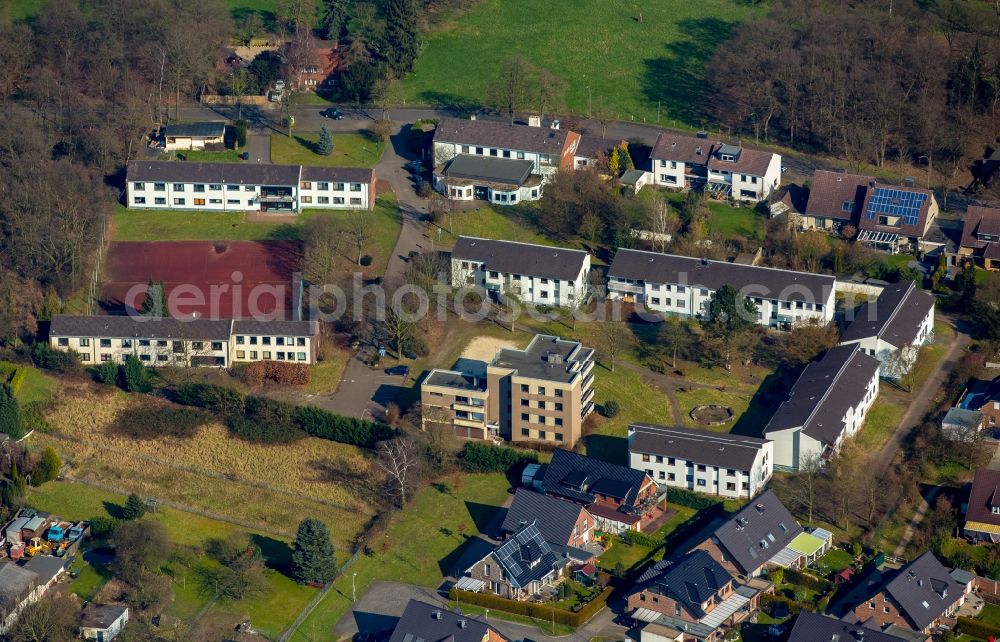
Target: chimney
{"points": [[702, 134], [534, 121], [436, 615], [704, 261], [461, 624], [908, 181], [472, 116]]}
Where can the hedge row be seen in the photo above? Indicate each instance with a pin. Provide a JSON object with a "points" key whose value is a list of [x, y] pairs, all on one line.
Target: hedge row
{"points": [[17, 381], [481, 457], [267, 420], [691, 500], [642, 539], [542, 612], [280, 372], [977, 628], [807, 580]]}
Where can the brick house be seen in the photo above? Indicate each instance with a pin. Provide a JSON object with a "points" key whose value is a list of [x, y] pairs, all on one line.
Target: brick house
{"points": [[696, 595], [422, 621], [561, 522], [982, 517], [983, 396], [919, 597], [981, 237], [517, 569]]}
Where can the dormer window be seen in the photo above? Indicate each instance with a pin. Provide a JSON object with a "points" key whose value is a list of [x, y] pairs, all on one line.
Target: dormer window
{"points": [[995, 509], [727, 157], [990, 238], [847, 206]]}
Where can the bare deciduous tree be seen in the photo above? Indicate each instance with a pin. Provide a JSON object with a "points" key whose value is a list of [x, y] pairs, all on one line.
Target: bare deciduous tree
{"points": [[360, 228], [398, 458], [615, 335], [511, 90], [663, 224]]}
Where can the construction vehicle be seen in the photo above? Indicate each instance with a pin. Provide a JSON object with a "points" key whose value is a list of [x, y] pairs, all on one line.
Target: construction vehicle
{"points": [[56, 533], [76, 532], [37, 547]]}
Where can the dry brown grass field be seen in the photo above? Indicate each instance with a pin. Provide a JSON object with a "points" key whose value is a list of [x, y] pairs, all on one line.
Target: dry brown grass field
{"points": [[150, 446]]}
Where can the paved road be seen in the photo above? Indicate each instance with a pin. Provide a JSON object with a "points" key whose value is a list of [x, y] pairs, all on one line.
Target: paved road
{"points": [[380, 607]]}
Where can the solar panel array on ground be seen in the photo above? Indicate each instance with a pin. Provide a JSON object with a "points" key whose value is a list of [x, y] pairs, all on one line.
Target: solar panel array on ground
{"points": [[896, 202]]}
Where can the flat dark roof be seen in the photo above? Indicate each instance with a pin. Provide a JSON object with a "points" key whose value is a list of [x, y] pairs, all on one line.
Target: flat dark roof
{"points": [[491, 133], [785, 285], [703, 446], [128, 327], [505, 171], [206, 129], [895, 316], [547, 357], [529, 259]]}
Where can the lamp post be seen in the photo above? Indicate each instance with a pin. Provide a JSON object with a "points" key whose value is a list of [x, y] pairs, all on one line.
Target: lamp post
{"points": [[354, 591]]}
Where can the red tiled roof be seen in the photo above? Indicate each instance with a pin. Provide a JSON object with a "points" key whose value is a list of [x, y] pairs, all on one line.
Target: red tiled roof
{"points": [[979, 219], [830, 190], [686, 149]]}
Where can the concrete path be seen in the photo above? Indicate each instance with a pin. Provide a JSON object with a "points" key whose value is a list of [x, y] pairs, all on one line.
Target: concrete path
{"points": [[382, 604], [925, 505], [259, 148]]}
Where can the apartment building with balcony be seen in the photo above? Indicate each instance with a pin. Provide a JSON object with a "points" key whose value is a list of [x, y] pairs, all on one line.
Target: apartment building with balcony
{"points": [[249, 187], [535, 274], [176, 342], [683, 286], [542, 393]]}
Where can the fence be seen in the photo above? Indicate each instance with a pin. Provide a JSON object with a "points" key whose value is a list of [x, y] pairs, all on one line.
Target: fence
{"points": [[542, 612], [216, 99]]}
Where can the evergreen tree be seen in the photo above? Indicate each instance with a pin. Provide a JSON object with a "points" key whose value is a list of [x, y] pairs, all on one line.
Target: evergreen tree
{"points": [[314, 559], [135, 377], [615, 163], [11, 420], [626, 159], [48, 467], [14, 489], [154, 304], [107, 373], [325, 145], [333, 18], [134, 507], [731, 320], [401, 36]]}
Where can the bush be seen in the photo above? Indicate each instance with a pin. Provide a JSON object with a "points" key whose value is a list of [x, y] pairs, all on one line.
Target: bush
{"points": [[346, 430], [610, 408], [212, 397], [280, 372], [261, 433], [46, 358], [641, 539], [415, 346], [241, 133], [976, 628], [691, 500], [424, 189], [48, 467], [533, 610], [135, 377], [103, 526], [11, 419], [134, 507], [480, 457], [107, 373], [17, 381], [365, 261]]}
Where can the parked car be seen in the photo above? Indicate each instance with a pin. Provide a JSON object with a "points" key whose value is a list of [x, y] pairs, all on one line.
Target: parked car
{"points": [[335, 114], [279, 85], [403, 371]]}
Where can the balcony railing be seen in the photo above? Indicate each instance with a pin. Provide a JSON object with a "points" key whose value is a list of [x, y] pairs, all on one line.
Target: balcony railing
{"points": [[470, 423], [617, 286], [274, 197]]}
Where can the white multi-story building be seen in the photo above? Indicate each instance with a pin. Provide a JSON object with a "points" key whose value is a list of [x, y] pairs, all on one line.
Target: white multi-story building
{"points": [[827, 404], [733, 170], [536, 274], [703, 461], [176, 342], [893, 326], [682, 285], [247, 187]]}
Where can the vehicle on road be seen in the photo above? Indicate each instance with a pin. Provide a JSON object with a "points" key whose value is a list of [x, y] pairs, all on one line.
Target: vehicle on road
{"points": [[403, 371], [335, 114]]}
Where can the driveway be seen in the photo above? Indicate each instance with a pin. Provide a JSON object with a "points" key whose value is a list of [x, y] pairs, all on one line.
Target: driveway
{"points": [[381, 606], [363, 390], [259, 148]]}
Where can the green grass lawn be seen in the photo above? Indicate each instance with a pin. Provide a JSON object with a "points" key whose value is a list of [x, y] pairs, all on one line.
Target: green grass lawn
{"points": [[488, 223], [89, 579], [690, 399], [882, 419], [631, 554], [276, 608], [609, 60], [990, 614], [421, 542], [37, 385], [158, 225], [202, 156], [639, 402], [728, 221], [835, 560], [349, 150]]}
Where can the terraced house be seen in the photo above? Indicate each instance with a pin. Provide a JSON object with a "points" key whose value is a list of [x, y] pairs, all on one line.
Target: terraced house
{"points": [[683, 286], [173, 342], [248, 187], [497, 161]]}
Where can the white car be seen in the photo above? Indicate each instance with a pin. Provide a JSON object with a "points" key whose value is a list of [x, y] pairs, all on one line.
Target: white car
{"points": [[279, 85]]}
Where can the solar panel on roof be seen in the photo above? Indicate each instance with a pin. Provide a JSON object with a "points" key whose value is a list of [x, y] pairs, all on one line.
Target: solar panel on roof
{"points": [[896, 202]]}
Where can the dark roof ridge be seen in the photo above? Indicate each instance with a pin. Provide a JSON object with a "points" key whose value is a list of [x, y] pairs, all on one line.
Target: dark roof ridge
{"points": [[840, 371]]}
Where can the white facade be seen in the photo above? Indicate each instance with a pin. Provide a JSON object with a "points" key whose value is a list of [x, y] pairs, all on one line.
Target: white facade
{"points": [[198, 196], [537, 290], [106, 632], [544, 164], [892, 367], [463, 190], [668, 173], [334, 195], [686, 162], [692, 475]]}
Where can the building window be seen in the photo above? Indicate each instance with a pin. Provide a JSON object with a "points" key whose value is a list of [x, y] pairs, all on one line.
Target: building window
{"points": [[307, 199], [215, 201], [559, 436], [525, 416], [105, 343], [671, 477], [232, 201], [559, 392], [559, 406], [178, 187], [302, 356], [232, 188], [338, 187], [701, 482], [64, 341], [731, 486], [84, 357], [241, 354], [199, 201], [524, 403], [524, 387], [139, 186], [645, 456], [178, 201], [355, 187], [307, 185], [139, 200], [144, 357], [323, 200], [479, 150], [105, 357], [525, 432], [199, 188], [217, 346], [465, 149], [338, 200], [215, 187], [355, 201], [248, 188], [159, 200]]}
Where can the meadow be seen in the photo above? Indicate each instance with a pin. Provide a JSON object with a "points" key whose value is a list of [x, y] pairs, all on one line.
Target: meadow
{"points": [[629, 60]]}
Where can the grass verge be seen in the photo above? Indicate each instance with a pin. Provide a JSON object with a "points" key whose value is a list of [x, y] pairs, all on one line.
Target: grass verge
{"points": [[349, 150]]}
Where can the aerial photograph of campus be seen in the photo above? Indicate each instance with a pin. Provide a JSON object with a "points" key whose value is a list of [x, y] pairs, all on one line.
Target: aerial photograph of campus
{"points": [[500, 320]]}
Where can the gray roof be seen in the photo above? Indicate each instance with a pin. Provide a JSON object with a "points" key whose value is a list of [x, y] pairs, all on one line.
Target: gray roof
{"points": [[511, 257], [228, 173], [547, 358], [491, 133], [591, 146], [758, 532], [632, 176], [16, 580], [46, 567], [895, 316], [338, 174], [924, 589], [692, 581], [579, 478], [819, 399], [139, 327], [276, 328], [702, 446], [505, 171], [785, 285], [810, 627], [962, 417], [206, 129], [455, 379], [526, 557], [554, 517], [101, 616], [422, 622]]}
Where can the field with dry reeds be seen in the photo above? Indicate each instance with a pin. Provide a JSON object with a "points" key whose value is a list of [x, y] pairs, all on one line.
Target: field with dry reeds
{"points": [[148, 445]]}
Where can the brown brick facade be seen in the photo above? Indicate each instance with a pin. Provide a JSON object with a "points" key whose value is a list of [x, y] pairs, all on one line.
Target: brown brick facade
{"points": [[713, 549], [883, 610]]}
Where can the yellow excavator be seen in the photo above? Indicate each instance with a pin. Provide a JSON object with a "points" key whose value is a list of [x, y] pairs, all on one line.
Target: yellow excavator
{"points": [[38, 546]]}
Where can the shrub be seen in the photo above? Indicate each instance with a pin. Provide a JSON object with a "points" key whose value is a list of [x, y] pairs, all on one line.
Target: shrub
{"points": [[134, 507], [11, 420], [479, 457], [977, 628], [152, 423], [47, 468], [135, 377], [107, 373], [262, 433], [610, 408], [241, 133], [46, 358], [17, 381], [424, 189], [205, 395], [280, 372], [689, 499], [641, 539], [346, 430], [542, 612], [365, 261], [103, 526], [416, 346]]}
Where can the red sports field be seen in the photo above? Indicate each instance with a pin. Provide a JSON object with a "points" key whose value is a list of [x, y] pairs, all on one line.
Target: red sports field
{"points": [[208, 279]]}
